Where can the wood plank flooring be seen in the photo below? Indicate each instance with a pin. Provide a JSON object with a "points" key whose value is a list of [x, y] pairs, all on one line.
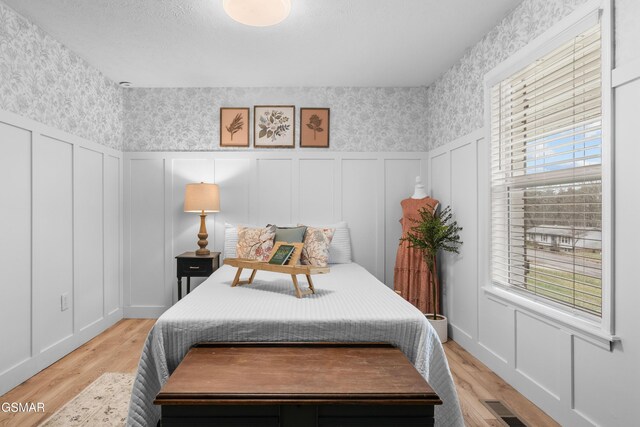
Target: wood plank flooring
{"points": [[118, 350], [115, 350], [475, 382]]}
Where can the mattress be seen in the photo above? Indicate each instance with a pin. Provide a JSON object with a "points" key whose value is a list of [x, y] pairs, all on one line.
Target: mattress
{"points": [[350, 305]]}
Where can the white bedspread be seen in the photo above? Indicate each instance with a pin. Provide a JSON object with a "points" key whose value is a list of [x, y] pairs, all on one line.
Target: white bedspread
{"points": [[349, 305]]}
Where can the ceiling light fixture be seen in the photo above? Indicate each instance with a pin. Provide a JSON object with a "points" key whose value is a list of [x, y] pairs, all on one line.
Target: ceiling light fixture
{"points": [[257, 13]]}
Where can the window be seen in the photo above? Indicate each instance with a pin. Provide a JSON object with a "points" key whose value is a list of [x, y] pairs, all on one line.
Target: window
{"points": [[547, 175]]}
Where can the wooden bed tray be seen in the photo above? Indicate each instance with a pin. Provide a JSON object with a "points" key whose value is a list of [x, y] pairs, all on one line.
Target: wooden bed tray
{"points": [[292, 270]]}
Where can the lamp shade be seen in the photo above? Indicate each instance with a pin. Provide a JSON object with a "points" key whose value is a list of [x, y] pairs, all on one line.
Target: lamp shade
{"points": [[202, 197]]}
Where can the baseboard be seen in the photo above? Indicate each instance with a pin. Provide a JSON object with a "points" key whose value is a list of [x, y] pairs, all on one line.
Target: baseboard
{"points": [[30, 367], [144, 312]]}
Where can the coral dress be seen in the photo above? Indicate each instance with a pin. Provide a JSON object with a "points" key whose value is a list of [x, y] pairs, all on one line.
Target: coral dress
{"points": [[411, 274]]}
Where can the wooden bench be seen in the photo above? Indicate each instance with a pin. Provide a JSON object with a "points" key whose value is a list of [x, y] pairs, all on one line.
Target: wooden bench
{"points": [[296, 385]]}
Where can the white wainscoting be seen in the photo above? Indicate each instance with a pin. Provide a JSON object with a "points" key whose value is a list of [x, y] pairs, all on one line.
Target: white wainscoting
{"points": [[61, 231], [574, 380], [257, 187]]}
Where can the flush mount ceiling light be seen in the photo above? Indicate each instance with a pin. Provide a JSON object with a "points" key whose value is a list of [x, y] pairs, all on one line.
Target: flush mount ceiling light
{"points": [[257, 13]]}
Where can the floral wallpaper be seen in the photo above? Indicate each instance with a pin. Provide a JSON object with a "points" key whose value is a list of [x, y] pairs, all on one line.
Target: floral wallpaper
{"points": [[43, 80], [362, 119], [455, 102]]}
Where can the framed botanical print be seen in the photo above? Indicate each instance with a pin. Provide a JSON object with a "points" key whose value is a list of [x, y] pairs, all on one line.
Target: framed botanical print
{"points": [[314, 127], [274, 126], [234, 127]]}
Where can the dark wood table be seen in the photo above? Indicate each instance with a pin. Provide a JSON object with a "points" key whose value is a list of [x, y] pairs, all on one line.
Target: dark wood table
{"points": [[296, 384], [191, 265]]}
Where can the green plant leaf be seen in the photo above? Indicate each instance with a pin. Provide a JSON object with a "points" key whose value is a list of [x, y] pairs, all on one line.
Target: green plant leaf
{"points": [[262, 133], [434, 232]]}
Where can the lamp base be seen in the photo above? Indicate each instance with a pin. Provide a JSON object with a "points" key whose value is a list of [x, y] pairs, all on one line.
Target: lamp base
{"points": [[202, 236]]}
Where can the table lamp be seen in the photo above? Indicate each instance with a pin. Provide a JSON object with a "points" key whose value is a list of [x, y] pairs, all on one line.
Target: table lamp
{"points": [[202, 198]]}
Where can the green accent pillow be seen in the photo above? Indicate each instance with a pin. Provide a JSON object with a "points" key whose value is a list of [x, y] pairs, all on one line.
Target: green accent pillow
{"points": [[290, 234]]}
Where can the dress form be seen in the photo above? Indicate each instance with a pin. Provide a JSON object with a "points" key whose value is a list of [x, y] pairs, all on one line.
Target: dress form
{"points": [[411, 274], [419, 192]]}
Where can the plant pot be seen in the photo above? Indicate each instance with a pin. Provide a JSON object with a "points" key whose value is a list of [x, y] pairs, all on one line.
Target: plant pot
{"points": [[440, 325]]}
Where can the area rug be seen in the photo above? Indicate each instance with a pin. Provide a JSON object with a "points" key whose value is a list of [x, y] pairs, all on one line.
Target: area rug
{"points": [[104, 402]]}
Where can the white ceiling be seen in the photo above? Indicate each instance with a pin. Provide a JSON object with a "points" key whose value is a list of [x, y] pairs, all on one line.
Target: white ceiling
{"points": [[182, 43]]}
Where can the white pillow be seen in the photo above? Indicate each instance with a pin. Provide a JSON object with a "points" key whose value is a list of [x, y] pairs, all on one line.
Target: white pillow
{"points": [[230, 241], [340, 247]]}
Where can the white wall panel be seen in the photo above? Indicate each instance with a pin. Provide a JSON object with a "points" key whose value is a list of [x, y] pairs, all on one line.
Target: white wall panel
{"points": [[536, 355], [496, 323], [596, 370], [257, 188], [439, 182], [88, 289], [360, 210], [399, 183], [15, 244], [316, 191], [462, 277], [147, 227], [275, 191], [52, 243], [439, 177], [234, 177], [53, 239], [112, 237]]}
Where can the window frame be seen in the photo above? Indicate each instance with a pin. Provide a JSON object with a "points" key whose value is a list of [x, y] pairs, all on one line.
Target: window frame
{"points": [[598, 330]]}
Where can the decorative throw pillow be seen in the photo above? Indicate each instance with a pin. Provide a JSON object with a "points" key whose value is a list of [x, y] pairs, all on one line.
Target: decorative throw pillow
{"points": [[290, 234], [340, 247], [255, 243], [231, 238], [316, 246]]}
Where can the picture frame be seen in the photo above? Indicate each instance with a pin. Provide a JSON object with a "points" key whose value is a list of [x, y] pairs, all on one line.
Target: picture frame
{"points": [[274, 126], [315, 126], [234, 127]]}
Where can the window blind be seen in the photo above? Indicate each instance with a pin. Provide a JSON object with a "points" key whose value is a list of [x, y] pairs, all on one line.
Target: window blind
{"points": [[546, 177]]}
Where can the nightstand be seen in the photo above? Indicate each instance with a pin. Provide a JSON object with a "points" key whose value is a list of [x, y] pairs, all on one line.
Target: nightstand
{"points": [[191, 265]]}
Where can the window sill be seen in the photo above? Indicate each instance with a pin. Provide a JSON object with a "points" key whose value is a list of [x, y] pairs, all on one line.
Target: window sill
{"points": [[583, 328]]}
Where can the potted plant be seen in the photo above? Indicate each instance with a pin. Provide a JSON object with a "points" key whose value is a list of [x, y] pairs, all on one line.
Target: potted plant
{"points": [[435, 232]]}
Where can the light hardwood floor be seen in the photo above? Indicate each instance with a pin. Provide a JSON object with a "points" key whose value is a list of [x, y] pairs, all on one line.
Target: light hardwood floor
{"points": [[118, 350], [115, 350], [475, 382]]}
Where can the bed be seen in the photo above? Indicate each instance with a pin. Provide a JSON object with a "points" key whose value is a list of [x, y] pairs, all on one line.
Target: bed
{"points": [[349, 305]]}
